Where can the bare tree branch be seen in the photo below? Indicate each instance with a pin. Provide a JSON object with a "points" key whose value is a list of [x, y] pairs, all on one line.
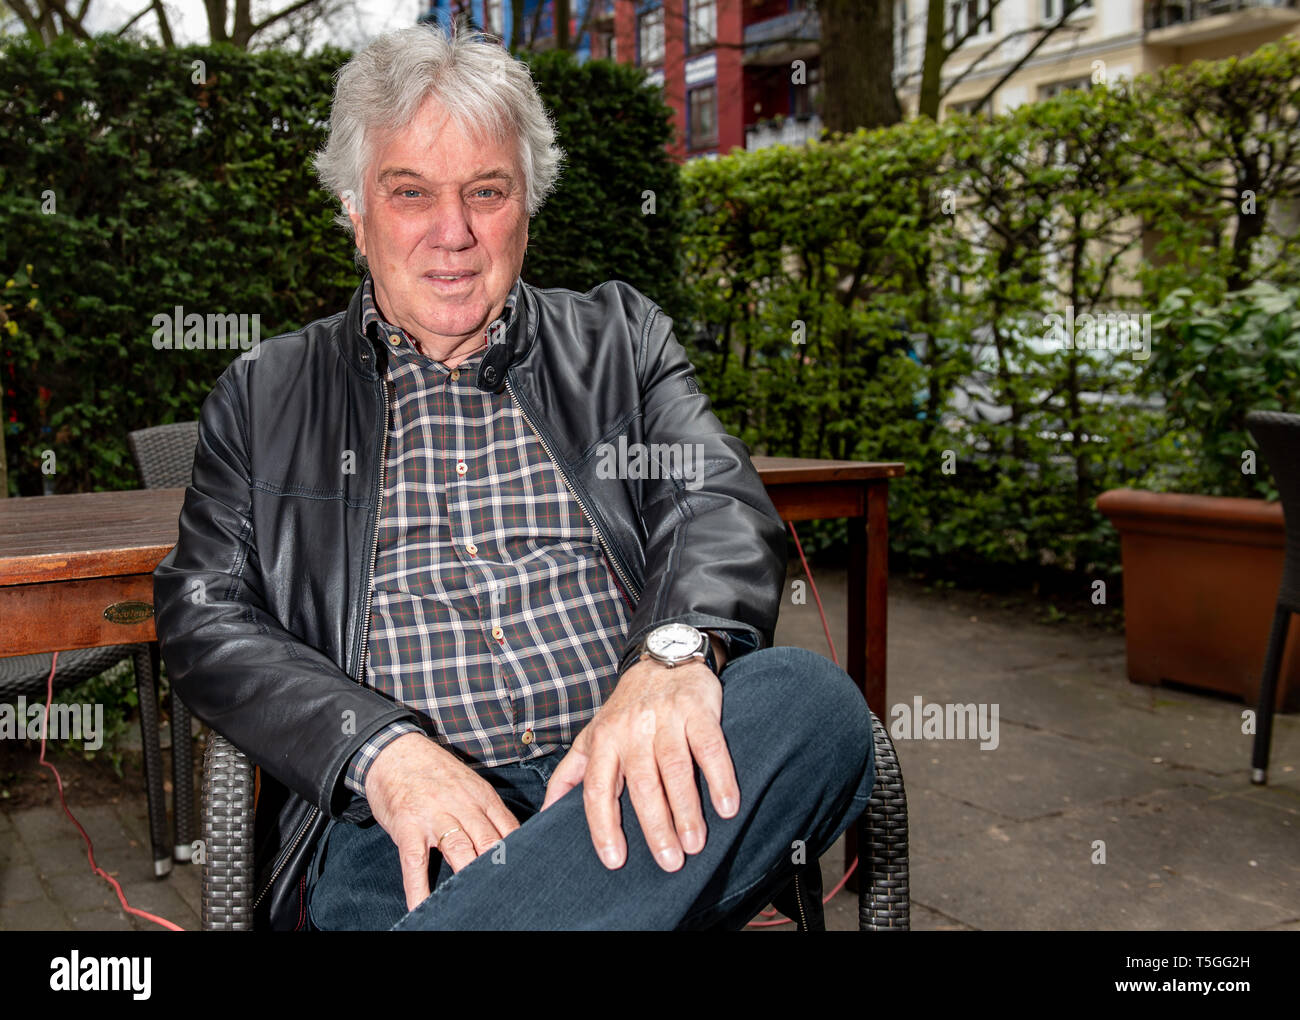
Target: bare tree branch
{"points": [[123, 30], [164, 27], [291, 9], [1068, 7]]}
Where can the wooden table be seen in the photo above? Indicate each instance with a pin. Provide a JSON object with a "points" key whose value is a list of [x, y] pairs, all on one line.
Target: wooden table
{"points": [[76, 571]]}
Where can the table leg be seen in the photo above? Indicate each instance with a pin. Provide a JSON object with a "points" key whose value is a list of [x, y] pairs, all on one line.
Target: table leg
{"points": [[146, 684], [868, 615]]}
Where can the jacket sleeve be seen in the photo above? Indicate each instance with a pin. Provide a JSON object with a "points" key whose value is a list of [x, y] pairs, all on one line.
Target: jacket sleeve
{"points": [[715, 550], [284, 703]]}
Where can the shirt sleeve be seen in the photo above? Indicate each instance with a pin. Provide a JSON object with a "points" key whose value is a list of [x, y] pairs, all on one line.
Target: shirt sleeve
{"points": [[355, 776]]}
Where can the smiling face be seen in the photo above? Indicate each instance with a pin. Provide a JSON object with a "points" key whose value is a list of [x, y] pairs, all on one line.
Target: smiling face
{"points": [[444, 231]]}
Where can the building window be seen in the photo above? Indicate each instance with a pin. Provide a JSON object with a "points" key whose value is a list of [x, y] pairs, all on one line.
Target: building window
{"points": [[494, 19], [1057, 87], [969, 19], [806, 100], [1052, 8], [968, 106], [900, 35], [703, 21], [651, 35], [703, 113]]}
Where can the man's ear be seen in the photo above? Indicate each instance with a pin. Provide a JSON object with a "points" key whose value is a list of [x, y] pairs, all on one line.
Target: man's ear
{"points": [[348, 199]]}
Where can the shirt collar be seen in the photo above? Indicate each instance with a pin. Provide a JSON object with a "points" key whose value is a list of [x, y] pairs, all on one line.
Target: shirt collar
{"points": [[376, 327]]}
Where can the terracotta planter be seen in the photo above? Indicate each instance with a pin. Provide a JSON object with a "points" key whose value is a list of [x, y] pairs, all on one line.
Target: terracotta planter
{"points": [[1201, 575]]}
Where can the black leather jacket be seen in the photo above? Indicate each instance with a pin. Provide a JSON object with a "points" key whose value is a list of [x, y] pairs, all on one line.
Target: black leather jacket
{"points": [[262, 607]]}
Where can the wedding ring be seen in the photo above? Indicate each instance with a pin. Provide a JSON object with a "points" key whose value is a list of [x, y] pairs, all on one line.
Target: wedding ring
{"points": [[439, 840]]}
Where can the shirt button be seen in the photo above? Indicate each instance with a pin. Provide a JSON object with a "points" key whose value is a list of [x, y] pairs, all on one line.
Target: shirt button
{"points": [[472, 549], [394, 339], [461, 468], [527, 737], [455, 374], [499, 634]]}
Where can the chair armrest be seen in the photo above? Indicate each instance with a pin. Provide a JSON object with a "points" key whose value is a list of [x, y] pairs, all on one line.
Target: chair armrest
{"points": [[229, 879], [883, 898]]}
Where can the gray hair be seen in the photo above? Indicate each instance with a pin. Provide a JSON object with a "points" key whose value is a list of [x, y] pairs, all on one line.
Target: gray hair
{"points": [[472, 76]]}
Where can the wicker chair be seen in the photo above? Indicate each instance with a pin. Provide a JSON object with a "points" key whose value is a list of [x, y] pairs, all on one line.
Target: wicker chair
{"points": [[1278, 436], [164, 458], [229, 882]]}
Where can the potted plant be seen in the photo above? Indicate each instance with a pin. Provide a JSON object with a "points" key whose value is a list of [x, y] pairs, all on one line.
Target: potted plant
{"points": [[1202, 539]]}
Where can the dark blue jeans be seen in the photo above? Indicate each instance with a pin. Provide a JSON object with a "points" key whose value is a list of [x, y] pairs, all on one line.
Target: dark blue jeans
{"points": [[800, 739]]}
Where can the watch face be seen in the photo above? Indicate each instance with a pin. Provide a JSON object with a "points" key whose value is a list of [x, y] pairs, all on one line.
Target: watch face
{"points": [[673, 641]]}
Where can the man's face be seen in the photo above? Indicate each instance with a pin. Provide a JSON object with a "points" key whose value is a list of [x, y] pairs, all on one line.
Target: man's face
{"points": [[444, 231]]}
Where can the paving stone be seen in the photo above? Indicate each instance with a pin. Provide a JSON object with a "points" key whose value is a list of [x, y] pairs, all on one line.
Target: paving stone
{"points": [[1177, 859], [101, 920], [1029, 774], [83, 892], [61, 856], [42, 824], [187, 880], [161, 899], [39, 915], [20, 883]]}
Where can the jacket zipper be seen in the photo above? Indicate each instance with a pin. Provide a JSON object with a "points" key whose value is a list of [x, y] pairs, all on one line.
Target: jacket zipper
{"points": [[365, 635], [798, 898], [618, 567]]}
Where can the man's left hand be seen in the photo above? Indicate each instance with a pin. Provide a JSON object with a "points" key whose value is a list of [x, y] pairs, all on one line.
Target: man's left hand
{"points": [[655, 725]]}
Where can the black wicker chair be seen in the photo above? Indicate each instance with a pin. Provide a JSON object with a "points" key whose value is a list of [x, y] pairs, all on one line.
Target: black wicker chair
{"points": [[1278, 436], [229, 883], [164, 458]]}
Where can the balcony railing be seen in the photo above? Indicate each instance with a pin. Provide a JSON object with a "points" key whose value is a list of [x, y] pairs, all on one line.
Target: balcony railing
{"points": [[782, 31], [1168, 13], [791, 131]]}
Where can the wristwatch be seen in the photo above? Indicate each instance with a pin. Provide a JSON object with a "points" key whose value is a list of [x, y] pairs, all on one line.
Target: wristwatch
{"points": [[674, 644]]}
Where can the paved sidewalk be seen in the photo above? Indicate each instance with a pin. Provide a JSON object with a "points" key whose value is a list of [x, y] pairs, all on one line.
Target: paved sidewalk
{"points": [[1000, 839]]}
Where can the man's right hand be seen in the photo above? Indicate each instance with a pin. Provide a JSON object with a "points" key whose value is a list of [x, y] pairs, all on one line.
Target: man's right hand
{"points": [[419, 791]]}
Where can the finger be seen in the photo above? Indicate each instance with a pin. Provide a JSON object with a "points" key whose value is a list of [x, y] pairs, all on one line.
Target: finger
{"points": [[501, 816], [568, 774], [677, 771], [455, 845], [601, 804], [481, 830], [709, 747], [646, 789], [413, 852]]}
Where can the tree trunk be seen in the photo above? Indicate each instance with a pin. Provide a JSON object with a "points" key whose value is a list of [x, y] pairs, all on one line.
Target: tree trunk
{"points": [[516, 21], [561, 24], [858, 65], [932, 67]]}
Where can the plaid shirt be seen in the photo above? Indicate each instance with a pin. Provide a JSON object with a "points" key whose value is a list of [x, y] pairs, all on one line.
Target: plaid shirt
{"points": [[495, 615]]}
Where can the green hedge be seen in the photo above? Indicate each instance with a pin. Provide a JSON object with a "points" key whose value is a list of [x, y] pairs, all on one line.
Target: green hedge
{"points": [[855, 296], [138, 179], [861, 298]]}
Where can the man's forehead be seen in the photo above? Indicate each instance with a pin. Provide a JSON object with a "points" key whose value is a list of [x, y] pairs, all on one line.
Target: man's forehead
{"points": [[480, 173]]}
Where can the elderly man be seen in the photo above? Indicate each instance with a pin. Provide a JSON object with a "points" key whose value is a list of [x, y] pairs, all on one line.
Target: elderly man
{"points": [[494, 677]]}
